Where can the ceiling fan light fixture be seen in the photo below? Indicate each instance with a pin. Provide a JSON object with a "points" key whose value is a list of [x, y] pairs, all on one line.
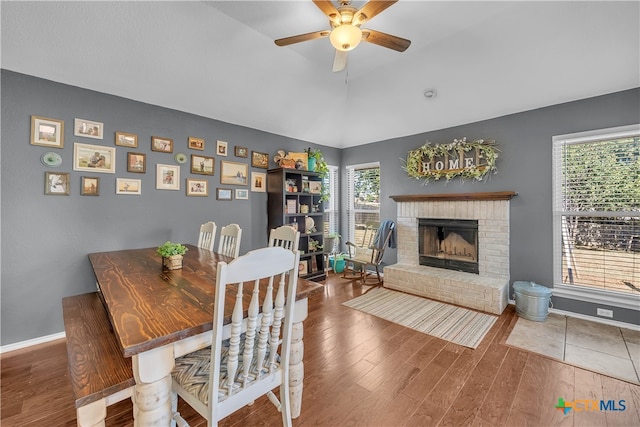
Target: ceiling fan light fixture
{"points": [[345, 37]]}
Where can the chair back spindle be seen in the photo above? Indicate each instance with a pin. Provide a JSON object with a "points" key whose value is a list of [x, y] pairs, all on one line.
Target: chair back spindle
{"points": [[207, 236], [285, 236], [230, 236]]}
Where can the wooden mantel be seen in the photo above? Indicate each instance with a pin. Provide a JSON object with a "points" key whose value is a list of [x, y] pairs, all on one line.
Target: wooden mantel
{"points": [[492, 195]]}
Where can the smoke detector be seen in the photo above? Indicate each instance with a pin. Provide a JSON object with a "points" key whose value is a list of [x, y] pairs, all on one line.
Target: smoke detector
{"points": [[430, 93]]}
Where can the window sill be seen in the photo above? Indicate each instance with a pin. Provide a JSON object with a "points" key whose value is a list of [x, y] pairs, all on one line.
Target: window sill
{"points": [[598, 296]]}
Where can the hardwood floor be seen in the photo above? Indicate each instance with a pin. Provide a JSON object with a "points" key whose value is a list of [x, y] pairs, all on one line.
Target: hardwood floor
{"points": [[364, 371]]}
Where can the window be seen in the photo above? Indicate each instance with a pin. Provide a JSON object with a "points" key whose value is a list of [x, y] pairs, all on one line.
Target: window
{"points": [[597, 216], [363, 197], [332, 205]]}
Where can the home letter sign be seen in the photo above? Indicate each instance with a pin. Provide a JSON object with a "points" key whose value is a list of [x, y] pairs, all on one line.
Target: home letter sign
{"points": [[459, 158]]}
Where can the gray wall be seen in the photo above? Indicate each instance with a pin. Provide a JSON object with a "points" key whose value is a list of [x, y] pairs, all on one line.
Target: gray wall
{"points": [[524, 166], [46, 239]]}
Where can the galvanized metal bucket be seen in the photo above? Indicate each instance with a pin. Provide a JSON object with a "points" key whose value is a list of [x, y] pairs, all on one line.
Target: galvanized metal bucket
{"points": [[532, 300]]}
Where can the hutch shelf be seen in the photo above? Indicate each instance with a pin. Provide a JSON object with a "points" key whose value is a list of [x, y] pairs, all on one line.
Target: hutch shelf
{"points": [[294, 199]]}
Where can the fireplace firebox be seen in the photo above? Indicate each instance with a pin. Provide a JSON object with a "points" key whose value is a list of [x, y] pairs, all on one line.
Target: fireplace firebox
{"points": [[448, 243]]}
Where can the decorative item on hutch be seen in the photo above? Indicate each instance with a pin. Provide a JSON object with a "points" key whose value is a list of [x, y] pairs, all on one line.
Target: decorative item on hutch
{"points": [[315, 161]]}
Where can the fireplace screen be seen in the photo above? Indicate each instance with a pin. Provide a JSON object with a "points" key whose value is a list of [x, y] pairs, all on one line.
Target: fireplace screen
{"points": [[451, 244]]}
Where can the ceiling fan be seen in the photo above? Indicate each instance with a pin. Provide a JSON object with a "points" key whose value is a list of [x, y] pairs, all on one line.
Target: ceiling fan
{"points": [[345, 33]]}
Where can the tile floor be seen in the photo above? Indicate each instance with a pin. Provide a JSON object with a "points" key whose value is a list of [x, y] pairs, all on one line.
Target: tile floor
{"points": [[591, 345]]}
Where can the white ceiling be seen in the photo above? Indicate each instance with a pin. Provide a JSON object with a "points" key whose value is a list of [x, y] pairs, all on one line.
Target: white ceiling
{"points": [[217, 59]]}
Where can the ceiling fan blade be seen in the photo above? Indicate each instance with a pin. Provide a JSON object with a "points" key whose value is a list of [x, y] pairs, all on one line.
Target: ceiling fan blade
{"points": [[385, 40], [371, 9], [339, 61], [302, 38], [327, 7]]}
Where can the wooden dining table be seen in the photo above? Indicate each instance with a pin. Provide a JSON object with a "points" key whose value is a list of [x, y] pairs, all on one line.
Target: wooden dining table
{"points": [[158, 315]]}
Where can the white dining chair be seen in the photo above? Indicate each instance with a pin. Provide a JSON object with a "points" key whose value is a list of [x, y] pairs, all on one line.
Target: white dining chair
{"points": [[230, 236], [218, 380], [207, 237], [286, 237]]}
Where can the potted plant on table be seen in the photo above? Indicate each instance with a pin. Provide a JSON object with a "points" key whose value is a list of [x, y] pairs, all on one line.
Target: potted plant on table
{"points": [[172, 254]]}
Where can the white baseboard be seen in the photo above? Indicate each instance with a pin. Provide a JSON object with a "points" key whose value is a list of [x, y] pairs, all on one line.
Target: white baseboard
{"points": [[596, 319], [590, 318], [29, 343]]}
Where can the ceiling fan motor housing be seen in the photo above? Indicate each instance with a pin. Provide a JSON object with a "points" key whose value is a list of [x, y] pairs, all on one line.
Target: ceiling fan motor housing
{"points": [[345, 35]]}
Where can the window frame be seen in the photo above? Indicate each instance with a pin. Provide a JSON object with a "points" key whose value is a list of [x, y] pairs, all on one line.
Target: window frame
{"points": [[580, 292], [351, 211], [332, 205]]}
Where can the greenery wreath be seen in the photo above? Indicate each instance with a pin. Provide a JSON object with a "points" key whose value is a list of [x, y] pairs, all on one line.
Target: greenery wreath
{"points": [[486, 150]]}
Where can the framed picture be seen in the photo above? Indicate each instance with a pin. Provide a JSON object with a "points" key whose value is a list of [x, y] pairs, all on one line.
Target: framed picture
{"points": [[259, 182], [241, 151], [164, 145], [88, 128], [94, 158], [136, 162], [167, 177], [197, 187], [90, 186], [127, 139], [202, 165], [300, 160], [234, 173], [223, 193], [128, 186], [315, 187], [221, 148], [303, 267], [47, 132], [56, 183], [242, 194], [292, 187], [196, 143], [259, 160]]}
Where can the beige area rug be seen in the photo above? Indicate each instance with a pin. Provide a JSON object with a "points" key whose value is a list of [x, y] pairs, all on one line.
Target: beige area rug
{"points": [[455, 324], [597, 347]]}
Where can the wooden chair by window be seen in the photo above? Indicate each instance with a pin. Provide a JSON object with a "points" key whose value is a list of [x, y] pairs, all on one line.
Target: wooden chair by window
{"points": [[361, 257], [230, 236], [329, 249], [370, 230], [286, 237], [218, 380], [207, 237]]}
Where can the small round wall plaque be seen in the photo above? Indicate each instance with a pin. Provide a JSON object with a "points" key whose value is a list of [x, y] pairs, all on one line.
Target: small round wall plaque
{"points": [[51, 159]]}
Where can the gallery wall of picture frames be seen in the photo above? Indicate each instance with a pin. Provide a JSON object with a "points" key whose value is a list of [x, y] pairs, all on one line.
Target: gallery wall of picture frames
{"points": [[98, 156]]}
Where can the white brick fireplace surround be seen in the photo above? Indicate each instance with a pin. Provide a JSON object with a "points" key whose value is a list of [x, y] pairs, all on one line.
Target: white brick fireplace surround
{"points": [[486, 291]]}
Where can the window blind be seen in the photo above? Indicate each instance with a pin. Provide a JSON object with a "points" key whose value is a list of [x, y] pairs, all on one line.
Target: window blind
{"points": [[332, 206], [363, 198], [597, 210]]}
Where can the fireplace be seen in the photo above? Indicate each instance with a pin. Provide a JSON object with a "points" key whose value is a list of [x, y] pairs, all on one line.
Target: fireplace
{"points": [[448, 243], [484, 290]]}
